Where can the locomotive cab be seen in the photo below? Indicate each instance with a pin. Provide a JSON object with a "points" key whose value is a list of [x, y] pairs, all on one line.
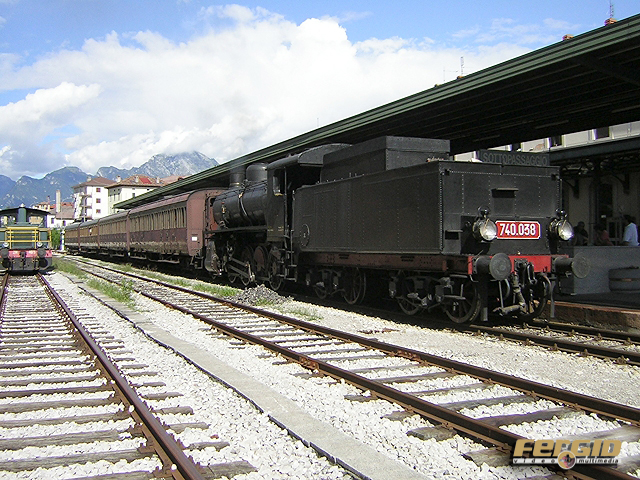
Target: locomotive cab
{"points": [[254, 215]]}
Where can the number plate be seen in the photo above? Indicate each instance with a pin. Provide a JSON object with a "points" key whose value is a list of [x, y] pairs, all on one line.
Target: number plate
{"points": [[518, 230]]}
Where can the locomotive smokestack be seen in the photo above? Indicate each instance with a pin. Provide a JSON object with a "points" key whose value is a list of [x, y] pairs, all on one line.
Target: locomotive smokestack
{"points": [[236, 176]]}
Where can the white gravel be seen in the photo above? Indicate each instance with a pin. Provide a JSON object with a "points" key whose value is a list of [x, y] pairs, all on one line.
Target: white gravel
{"points": [[324, 399], [251, 435]]}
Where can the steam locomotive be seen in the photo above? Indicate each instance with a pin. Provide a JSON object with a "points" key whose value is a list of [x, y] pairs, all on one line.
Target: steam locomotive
{"points": [[469, 238], [25, 241]]}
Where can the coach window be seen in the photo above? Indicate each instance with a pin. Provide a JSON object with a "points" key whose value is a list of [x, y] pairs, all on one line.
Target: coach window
{"points": [[601, 133], [555, 141]]}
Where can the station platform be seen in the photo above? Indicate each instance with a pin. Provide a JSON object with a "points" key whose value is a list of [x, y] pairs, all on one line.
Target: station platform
{"points": [[591, 299], [621, 309]]}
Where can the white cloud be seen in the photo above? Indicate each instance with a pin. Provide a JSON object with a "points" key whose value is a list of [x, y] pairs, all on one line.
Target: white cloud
{"points": [[252, 79], [45, 107], [509, 30]]}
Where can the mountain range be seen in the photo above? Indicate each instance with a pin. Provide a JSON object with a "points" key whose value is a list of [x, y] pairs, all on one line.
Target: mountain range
{"points": [[30, 191]]}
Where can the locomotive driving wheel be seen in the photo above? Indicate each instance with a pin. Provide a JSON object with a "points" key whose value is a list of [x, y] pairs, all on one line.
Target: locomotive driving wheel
{"points": [[465, 305], [247, 259], [275, 270], [260, 260], [355, 285]]}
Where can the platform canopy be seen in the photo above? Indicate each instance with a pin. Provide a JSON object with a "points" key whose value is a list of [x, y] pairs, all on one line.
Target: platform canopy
{"points": [[585, 82]]}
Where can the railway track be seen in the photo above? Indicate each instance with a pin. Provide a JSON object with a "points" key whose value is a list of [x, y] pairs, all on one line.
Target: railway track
{"points": [[409, 378], [623, 347], [68, 397]]}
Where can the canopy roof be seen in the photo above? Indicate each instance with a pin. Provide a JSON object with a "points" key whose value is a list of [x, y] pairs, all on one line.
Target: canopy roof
{"points": [[589, 81]]}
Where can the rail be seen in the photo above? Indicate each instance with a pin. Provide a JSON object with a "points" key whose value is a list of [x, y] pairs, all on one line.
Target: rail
{"points": [[166, 446], [502, 439]]}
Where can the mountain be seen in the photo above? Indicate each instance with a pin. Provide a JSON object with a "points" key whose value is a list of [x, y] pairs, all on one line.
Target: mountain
{"points": [[163, 166], [6, 184], [31, 191]]}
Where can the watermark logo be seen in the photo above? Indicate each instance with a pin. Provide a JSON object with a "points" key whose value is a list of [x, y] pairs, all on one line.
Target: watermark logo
{"points": [[566, 453]]}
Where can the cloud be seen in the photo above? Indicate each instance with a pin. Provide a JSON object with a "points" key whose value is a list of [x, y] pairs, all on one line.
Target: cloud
{"points": [[510, 30], [250, 78], [45, 107], [29, 127], [347, 17]]}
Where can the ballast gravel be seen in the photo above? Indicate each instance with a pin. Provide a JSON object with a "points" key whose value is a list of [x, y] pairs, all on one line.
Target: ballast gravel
{"points": [[324, 399], [251, 435]]}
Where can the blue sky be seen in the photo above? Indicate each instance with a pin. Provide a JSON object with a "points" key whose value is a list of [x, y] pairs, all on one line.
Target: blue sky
{"points": [[92, 83]]}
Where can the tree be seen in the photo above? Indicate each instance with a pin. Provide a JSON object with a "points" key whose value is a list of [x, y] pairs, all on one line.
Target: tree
{"points": [[56, 237]]}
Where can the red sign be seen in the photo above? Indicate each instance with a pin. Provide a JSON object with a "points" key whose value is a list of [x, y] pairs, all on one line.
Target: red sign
{"points": [[518, 230]]}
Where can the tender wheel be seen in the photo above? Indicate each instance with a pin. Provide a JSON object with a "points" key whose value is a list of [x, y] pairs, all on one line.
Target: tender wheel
{"points": [[537, 297], [355, 286], [467, 306], [275, 271], [320, 291], [408, 305]]}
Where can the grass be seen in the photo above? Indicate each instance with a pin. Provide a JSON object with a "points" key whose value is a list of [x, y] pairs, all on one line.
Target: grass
{"points": [[215, 290], [67, 266], [221, 291], [122, 293], [263, 302], [300, 311]]}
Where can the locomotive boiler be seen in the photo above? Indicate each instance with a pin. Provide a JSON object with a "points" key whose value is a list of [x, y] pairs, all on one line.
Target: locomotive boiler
{"points": [[467, 237]]}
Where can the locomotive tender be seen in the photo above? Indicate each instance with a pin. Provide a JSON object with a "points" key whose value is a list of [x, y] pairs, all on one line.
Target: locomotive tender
{"points": [[25, 241], [467, 237]]}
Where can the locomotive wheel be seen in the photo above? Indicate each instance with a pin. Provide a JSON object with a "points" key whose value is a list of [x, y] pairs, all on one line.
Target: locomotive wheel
{"points": [[320, 288], [321, 291], [247, 259], [260, 259], [537, 298], [355, 286], [468, 306], [274, 271], [407, 305]]}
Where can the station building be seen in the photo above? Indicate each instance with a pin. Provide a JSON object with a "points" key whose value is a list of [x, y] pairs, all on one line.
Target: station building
{"points": [[600, 170]]}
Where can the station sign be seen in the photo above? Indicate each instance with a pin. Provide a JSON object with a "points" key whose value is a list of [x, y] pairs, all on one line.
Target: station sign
{"points": [[503, 157]]}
